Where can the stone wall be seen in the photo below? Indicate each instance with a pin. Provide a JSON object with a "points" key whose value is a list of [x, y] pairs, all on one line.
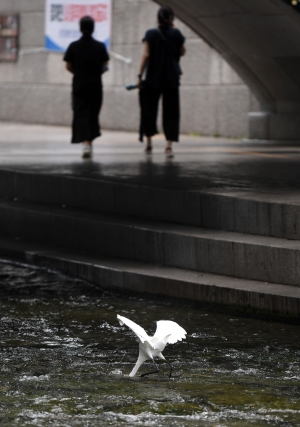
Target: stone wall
{"points": [[214, 101]]}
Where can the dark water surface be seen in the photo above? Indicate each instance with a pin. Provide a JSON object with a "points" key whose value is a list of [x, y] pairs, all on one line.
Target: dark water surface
{"points": [[65, 361]]}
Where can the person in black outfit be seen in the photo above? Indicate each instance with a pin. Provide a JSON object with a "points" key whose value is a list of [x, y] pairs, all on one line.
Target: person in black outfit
{"points": [[86, 59], [163, 47]]}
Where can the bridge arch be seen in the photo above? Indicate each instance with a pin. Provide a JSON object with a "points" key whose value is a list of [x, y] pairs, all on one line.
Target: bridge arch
{"points": [[260, 39]]}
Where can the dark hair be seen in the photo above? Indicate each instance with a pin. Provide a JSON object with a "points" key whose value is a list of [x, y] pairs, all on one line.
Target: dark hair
{"points": [[163, 16], [86, 25]]}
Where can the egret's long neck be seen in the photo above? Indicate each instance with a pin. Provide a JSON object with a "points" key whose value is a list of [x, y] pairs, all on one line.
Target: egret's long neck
{"points": [[141, 359]]}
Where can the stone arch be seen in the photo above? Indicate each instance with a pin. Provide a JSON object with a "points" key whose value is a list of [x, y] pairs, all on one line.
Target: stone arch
{"points": [[261, 42]]}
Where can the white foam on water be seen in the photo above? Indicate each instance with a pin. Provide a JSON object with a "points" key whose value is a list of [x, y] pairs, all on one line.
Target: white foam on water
{"points": [[39, 378], [249, 371], [116, 372], [111, 328]]}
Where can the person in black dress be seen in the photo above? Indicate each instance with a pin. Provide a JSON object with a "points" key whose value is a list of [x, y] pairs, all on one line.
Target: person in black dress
{"points": [[163, 47], [86, 59]]}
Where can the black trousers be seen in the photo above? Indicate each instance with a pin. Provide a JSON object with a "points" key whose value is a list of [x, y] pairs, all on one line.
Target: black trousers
{"points": [[149, 98], [86, 110]]}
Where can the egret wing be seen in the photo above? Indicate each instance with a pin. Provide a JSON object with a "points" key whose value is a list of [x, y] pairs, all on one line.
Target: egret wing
{"points": [[138, 330], [169, 332]]}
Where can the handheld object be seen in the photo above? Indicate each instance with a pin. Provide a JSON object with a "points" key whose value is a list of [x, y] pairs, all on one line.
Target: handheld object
{"points": [[131, 87]]}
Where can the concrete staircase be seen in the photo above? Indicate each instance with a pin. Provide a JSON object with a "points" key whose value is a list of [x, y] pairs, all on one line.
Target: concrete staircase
{"points": [[236, 249]]}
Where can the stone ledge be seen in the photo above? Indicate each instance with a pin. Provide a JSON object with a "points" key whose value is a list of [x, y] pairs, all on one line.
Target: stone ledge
{"points": [[250, 297], [272, 214], [227, 253]]}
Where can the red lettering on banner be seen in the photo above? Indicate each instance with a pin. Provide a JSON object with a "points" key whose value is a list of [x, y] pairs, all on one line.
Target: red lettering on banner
{"points": [[73, 12]]}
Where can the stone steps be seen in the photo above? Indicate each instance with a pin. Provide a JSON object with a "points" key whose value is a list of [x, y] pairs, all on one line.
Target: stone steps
{"points": [[274, 215], [247, 296], [232, 248], [262, 258]]}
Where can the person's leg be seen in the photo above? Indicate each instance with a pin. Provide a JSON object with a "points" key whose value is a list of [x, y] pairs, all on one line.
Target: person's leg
{"points": [[150, 106], [80, 125], [87, 142], [80, 119], [171, 117], [94, 103], [168, 150], [148, 148]]}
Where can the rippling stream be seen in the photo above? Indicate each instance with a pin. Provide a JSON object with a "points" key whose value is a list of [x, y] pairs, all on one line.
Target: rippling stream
{"points": [[65, 361]]}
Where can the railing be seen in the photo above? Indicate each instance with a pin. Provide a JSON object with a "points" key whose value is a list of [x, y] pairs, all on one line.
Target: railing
{"points": [[126, 61]]}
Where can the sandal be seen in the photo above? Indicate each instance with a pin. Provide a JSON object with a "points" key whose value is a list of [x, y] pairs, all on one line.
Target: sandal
{"points": [[169, 152], [148, 150]]}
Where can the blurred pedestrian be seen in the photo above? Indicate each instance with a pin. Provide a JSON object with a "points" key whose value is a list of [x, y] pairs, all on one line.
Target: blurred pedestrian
{"points": [[87, 59], [163, 47]]}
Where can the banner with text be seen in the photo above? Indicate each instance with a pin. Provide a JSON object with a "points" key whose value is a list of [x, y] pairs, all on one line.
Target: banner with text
{"points": [[62, 21]]}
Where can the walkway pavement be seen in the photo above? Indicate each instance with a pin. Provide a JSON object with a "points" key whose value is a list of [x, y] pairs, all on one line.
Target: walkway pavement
{"points": [[216, 164]]}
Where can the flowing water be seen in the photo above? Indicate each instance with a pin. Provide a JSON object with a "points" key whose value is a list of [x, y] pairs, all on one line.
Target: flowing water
{"points": [[65, 361]]}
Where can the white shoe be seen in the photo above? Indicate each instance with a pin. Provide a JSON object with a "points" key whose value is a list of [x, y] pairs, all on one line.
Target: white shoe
{"points": [[87, 151]]}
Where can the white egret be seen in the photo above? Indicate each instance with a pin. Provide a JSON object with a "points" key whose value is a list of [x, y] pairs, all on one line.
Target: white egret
{"points": [[167, 332]]}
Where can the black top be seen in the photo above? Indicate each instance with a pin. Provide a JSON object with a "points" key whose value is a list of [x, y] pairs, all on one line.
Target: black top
{"points": [[163, 66], [87, 57]]}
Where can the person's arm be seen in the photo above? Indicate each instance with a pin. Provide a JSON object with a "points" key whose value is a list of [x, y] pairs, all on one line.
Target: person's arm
{"points": [[105, 67], [105, 59], [69, 67], [144, 61]]}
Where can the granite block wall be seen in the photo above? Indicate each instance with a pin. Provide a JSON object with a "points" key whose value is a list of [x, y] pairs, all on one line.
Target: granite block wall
{"points": [[36, 89]]}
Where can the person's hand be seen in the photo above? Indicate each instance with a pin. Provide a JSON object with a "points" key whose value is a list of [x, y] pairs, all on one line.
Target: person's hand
{"points": [[139, 81]]}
